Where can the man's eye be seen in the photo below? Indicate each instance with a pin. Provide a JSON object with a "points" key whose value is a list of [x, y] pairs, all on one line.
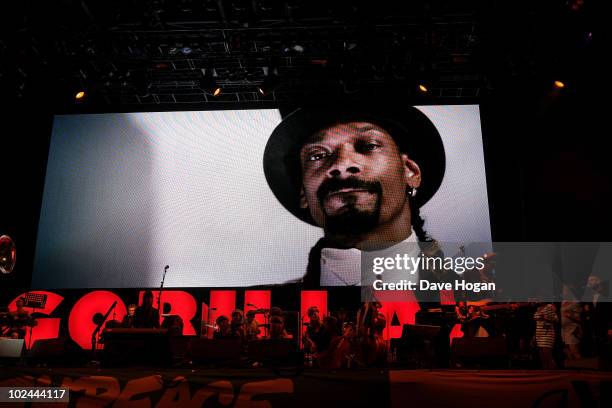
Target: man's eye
{"points": [[370, 146], [316, 156]]}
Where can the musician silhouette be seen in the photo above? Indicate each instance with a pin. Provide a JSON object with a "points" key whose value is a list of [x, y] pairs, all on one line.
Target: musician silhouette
{"points": [[146, 316], [19, 320]]}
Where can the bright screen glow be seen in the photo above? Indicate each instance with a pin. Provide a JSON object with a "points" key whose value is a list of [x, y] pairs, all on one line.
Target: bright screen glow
{"points": [[128, 193]]}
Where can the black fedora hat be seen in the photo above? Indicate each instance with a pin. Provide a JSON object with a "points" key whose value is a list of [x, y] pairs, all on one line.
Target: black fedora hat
{"points": [[412, 131]]}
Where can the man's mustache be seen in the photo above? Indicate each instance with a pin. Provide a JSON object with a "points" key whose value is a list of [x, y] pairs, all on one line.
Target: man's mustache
{"points": [[333, 185]]}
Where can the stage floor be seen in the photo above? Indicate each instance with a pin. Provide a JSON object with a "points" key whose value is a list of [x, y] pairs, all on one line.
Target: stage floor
{"points": [[263, 387]]}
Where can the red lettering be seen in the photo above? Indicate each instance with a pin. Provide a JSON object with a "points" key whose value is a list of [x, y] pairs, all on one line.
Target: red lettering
{"points": [[222, 303], [398, 314], [255, 389], [97, 391], [80, 321], [136, 387], [180, 396]]}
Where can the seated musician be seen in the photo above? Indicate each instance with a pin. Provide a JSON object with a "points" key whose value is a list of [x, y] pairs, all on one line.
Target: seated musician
{"points": [[371, 349], [128, 319], [251, 327], [237, 324], [224, 329], [146, 316], [472, 319], [340, 349], [277, 328], [361, 345], [277, 311], [19, 320], [380, 322], [461, 311], [172, 322], [316, 338], [332, 329]]}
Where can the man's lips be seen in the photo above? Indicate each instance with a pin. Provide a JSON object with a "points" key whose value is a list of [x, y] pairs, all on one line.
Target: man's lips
{"points": [[337, 200], [347, 191]]}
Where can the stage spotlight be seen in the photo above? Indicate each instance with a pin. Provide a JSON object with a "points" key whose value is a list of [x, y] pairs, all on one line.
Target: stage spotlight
{"points": [[208, 83], [270, 83], [559, 84], [423, 88], [79, 95]]}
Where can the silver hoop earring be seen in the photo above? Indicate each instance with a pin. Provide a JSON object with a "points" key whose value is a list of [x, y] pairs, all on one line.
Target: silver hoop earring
{"points": [[412, 191]]}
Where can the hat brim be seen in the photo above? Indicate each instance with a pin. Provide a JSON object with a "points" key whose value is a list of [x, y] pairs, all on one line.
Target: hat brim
{"points": [[412, 131]]}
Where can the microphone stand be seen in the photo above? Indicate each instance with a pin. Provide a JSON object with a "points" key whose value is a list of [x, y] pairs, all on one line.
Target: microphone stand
{"points": [[94, 335], [160, 290], [30, 334]]}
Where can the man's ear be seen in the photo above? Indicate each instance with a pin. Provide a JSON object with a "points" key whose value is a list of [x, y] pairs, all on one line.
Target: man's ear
{"points": [[412, 172], [303, 202]]}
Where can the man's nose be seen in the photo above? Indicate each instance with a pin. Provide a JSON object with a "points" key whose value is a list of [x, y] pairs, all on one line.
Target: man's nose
{"points": [[345, 163]]}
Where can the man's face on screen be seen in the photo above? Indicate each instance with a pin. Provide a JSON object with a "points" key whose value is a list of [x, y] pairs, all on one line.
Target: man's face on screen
{"points": [[355, 177]]}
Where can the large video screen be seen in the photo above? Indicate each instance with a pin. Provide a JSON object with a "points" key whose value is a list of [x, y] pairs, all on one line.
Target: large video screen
{"points": [[237, 198]]}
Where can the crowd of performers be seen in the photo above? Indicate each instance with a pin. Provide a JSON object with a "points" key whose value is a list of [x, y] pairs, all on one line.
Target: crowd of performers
{"points": [[333, 341], [355, 338], [559, 332]]}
